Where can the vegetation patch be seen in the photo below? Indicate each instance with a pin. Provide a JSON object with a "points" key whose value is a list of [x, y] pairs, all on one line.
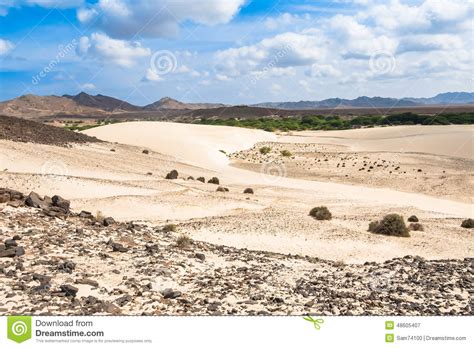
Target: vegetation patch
{"points": [[390, 225], [333, 122]]}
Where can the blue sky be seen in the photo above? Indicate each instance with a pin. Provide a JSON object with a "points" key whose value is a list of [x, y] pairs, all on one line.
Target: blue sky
{"points": [[235, 51]]}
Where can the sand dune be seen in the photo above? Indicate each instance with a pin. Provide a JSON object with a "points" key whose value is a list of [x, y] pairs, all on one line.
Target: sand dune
{"points": [[194, 144], [128, 184], [453, 140]]}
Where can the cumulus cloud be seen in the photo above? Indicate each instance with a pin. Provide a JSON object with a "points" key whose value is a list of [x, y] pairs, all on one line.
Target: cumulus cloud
{"points": [[348, 47], [160, 18], [5, 47], [120, 52], [281, 51], [88, 86]]}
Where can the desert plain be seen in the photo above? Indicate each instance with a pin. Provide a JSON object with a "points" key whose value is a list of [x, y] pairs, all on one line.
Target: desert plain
{"points": [[230, 252]]}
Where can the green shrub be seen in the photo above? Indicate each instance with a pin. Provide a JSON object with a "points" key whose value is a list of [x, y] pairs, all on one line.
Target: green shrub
{"points": [[390, 225], [286, 153], [321, 213], [183, 242], [265, 149], [169, 228]]}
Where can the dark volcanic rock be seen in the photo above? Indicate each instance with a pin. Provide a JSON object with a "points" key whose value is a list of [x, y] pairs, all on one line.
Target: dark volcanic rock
{"points": [[214, 180], [108, 221], [118, 247], [34, 200], [69, 290], [172, 175], [170, 293], [60, 202]]}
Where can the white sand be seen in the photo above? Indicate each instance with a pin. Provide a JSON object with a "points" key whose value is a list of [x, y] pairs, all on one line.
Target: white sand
{"points": [[453, 140], [274, 218]]}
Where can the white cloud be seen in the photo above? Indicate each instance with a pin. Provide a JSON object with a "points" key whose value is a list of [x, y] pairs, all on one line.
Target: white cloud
{"points": [[102, 47], [221, 77], [281, 51], [341, 47], [159, 18], [88, 86], [275, 88], [152, 76], [323, 70], [5, 47]]}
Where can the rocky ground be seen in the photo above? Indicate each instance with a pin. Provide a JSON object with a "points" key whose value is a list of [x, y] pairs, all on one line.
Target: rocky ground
{"points": [[55, 261], [440, 176], [17, 129]]}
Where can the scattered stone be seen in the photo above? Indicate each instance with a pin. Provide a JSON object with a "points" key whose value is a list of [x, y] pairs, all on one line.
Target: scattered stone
{"points": [[34, 200], [108, 221], [321, 213], [413, 218], [61, 203], [214, 180], [172, 175], [69, 290], [222, 189], [87, 281], [201, 179], [468, 223], [117, 247], [416, 226], [200, 256], [249, 191], [170, 293], [146, 152]]}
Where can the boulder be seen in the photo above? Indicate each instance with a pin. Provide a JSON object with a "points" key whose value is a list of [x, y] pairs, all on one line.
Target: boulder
{"points": [[249, 191], [222, 189], [60, 202], [214, 180], [69, 290], [108, 221], [172, 175], [34, 200], [170, 293], [118, 247], [201, 179]]}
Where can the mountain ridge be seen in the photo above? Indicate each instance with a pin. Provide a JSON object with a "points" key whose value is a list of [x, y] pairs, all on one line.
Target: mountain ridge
{"points": [[84, 104]]}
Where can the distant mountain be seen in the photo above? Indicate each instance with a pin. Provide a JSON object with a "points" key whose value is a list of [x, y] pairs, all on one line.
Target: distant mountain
{"points": [[32, 106], [169, 103], [102, 102], [83, 104], [451, 98]]}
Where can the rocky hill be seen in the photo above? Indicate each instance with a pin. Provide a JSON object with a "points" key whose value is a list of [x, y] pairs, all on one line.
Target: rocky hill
{"points": [[57, 262], [170, 103], [102, 102], [18, 129]]}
